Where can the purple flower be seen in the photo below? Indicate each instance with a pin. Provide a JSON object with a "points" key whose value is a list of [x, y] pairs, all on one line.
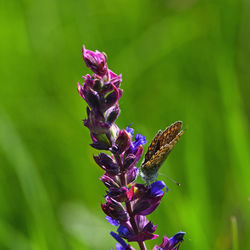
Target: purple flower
{"points": [[110, 181], [126, 203], [130, 130], [145, 230], [101, 92], [118, 194], [131, 174], [100, 141], [100, 145], [96, 123], [106, 83], [156, 188], [149, 199], [139, 139], [123, 231], [107, 164], [122, 244], [115, 210], [112, 222], [123, 141], [171, 244], [112, 113], [96, 61], [131, 159], [111, 99], [88, 93]]}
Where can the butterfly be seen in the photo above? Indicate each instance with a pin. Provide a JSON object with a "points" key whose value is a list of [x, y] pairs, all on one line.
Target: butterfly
{"points": [[159, 149]]}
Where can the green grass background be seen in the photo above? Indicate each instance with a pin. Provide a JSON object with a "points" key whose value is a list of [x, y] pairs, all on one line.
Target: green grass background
{"points": [[181, 60]]}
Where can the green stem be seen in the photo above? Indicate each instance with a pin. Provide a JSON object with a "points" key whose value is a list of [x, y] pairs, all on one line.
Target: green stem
{"points": [[234, 233]]}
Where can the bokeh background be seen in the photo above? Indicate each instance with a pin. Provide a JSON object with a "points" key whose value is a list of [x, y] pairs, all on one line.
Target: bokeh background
{"points": [[181, 60]]}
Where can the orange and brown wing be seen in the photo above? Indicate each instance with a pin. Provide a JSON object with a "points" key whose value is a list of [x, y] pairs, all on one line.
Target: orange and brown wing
{"points": [[152, 166], [170, 133], [153, 147]]}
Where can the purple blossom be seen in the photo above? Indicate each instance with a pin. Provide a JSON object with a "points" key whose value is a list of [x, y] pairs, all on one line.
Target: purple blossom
{"points": [[110, 181], [156, 188], [139, 139], [147, 199], [126, 203], [123, 231], [107, 164], [130, 130], [122, 244], [112, 114], [145, 230], [131, 175], [96, 61], [115, 210], [118, 194], [112, 222], [171, 244], [131, 158], [123, 141]]}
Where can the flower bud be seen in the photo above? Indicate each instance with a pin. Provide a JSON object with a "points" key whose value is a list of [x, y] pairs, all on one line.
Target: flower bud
{"points": [[110, 181], [123, 141], [92, 98], [99, 146], [112, 114], [96, 61], [131, 174], [96, 124], [114, 210], [129, 160], [112, 98], [107, 163], [118, 194]]}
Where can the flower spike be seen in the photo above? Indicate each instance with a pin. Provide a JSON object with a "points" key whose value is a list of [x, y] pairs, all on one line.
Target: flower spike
{"points": [[127, 203]]}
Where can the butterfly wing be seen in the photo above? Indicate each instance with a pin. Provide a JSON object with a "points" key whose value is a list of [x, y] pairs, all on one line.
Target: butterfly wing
{"points": [[170, 133], [153, 147], [162, 145]]}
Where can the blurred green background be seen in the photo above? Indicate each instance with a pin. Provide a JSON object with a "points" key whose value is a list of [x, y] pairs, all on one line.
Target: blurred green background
{"points": [[181, 60]]}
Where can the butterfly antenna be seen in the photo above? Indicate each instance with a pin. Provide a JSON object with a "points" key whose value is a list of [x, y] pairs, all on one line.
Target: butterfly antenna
{"points": [[175, 182]]}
